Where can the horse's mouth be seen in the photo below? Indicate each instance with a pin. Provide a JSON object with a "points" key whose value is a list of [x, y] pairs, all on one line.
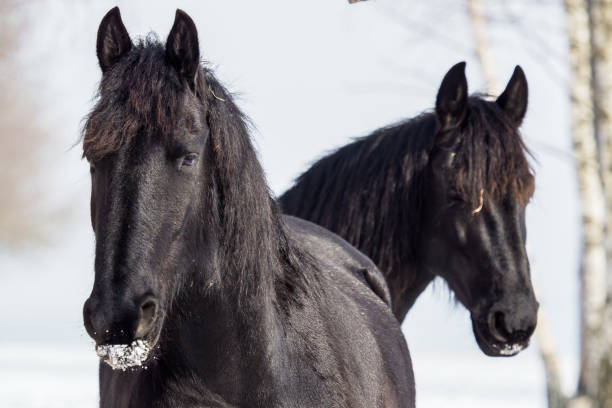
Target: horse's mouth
{"points": [[492, 346]]}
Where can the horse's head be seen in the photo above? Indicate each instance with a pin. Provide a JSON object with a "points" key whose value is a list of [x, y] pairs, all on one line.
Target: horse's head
{"points": [[473, 232], [145, 140]]}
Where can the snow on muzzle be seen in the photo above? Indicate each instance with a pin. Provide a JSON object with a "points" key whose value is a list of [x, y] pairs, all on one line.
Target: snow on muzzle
{"points": [[124, 356]]}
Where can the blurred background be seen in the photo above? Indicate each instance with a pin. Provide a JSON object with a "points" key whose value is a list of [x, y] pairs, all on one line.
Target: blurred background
{"points": [[312, 75]]}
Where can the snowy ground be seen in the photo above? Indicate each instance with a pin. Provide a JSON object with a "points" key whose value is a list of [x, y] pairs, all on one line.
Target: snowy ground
{"points": [[36, 376]]}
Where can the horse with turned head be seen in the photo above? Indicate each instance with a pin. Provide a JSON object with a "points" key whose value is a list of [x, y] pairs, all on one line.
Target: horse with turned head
{"points": [[442, 194], [239, 305]]}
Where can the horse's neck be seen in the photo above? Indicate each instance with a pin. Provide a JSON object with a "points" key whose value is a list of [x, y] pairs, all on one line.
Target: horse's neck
{"points": [[223, 335], [411, 284], [223, 345], [396, 208]]}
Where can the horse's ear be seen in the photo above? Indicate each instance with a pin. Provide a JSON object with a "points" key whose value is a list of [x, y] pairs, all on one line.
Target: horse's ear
{"points": [[182, 48], [514, 98], [113, 40], [451, 102]]}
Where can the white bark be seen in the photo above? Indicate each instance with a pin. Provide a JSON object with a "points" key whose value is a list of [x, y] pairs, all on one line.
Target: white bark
{"points": [[601, 29], [593, 267]]}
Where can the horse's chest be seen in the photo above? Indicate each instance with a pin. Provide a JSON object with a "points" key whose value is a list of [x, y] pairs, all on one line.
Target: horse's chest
{"points": [[126, 389]]}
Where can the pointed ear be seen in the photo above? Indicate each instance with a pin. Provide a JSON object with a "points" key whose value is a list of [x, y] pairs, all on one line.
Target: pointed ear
{"points": [[452, 99], [514, 98], [113, 40], [182, 48]]}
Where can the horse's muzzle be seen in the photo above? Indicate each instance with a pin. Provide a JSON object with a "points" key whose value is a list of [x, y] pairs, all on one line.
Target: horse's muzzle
{"points": [[108, 323]]}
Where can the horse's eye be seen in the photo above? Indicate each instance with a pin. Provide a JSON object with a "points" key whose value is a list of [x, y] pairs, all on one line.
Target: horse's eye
{"points": [[454, 194], [92, 169], [189, 160]]}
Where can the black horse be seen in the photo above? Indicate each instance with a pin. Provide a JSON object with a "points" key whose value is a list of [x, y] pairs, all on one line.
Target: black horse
{"points": [[440, 194], [198, 277]]}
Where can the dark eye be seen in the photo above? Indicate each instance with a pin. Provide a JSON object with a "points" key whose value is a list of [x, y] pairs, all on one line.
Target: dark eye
{"points": [[92, 168], [454, 194], [189, 160]]}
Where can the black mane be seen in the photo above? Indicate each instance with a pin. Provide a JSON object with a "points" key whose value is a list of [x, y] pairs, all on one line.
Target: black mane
{"points": [[252, 219]]}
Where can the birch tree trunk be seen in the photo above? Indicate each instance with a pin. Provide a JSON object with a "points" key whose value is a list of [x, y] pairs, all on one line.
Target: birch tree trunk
{"points": [[593, 266], [601, 29]]}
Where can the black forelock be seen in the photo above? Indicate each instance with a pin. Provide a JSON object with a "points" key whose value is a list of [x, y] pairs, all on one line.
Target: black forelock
{"points": [[492, 156], [140, 95]]}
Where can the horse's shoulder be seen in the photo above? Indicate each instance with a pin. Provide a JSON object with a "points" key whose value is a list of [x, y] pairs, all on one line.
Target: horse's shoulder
{"points": [[330, 248]]}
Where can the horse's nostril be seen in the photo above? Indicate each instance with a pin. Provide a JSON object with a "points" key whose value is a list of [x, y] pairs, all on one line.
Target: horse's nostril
{"points": [[500, 325], [497, 326], [509, 328], [146, 317]]}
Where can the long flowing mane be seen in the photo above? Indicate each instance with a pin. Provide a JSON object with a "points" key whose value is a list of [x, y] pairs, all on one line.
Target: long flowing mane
{"points": [[253, 227], [143, 97], [391, 162]]}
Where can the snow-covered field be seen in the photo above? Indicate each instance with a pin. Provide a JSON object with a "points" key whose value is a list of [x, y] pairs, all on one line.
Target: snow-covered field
{"points": [[51, 376], [47, 376]]}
